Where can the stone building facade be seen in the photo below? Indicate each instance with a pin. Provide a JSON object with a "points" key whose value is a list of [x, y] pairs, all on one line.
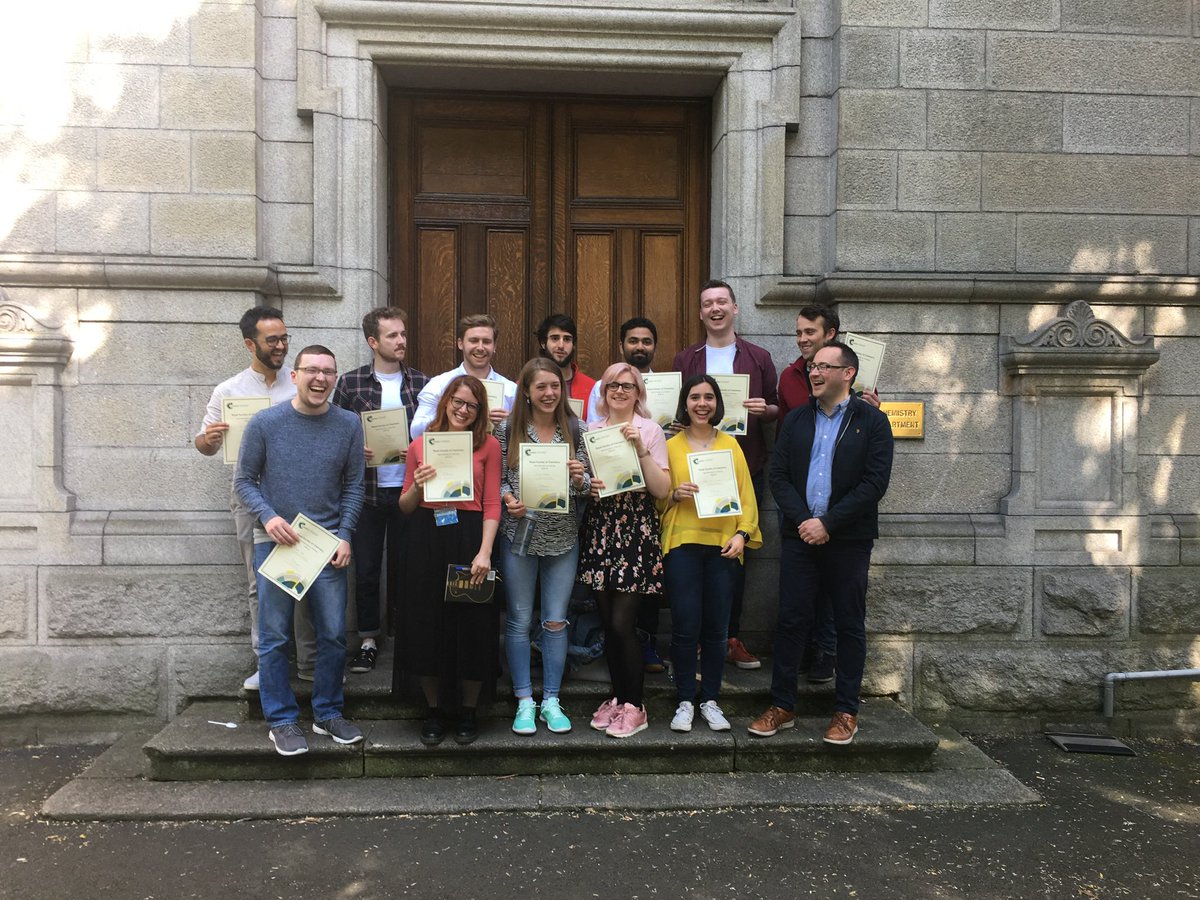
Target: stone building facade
{"points": [[1007, 192]]}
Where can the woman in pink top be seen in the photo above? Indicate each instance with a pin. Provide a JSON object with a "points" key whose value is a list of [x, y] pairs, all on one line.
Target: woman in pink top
{"points": [[620, 557], [451, 647]]}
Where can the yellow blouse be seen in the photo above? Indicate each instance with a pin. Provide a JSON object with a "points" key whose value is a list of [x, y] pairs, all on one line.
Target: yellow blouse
{"points": [[681, 525]]}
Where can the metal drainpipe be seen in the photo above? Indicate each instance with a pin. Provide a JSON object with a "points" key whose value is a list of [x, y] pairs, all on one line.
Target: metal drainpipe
{"points": [[1112, 678]]}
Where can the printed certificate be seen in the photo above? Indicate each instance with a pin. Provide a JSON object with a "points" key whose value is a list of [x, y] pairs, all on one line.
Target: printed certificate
{"points": [[495, 394], [662, 395], [450, 453], [385, 433], [576, 407], [713, 471], [735, 390], [294, 568], [237, 411], [544, 477], [614, 460], [870, 360]]}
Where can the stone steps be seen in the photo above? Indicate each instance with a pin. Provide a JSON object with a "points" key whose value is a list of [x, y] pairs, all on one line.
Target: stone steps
{"points": [[369, 696], [190, 749]]}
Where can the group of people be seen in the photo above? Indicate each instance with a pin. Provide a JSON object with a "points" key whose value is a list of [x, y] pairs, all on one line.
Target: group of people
{"points": [[829, 468]]}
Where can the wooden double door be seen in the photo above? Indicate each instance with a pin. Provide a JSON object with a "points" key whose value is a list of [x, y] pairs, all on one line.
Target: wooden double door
{"points": [[524, 206]]}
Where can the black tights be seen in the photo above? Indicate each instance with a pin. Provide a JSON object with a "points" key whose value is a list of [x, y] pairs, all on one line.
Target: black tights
{"points": [[622, 649]]}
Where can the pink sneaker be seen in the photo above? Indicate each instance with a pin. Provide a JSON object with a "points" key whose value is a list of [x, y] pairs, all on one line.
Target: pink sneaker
{"points": [[603, 717], [629, 721]]}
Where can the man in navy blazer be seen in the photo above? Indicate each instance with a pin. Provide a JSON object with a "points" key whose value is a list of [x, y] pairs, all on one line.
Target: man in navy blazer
{"points": [[830, 468]]}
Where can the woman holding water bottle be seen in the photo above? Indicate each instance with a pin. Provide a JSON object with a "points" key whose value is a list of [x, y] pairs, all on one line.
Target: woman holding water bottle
{"points": [[534, 544]]}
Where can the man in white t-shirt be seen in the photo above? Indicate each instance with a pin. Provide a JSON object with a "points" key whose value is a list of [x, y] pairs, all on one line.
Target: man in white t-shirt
{"points": [[384, 383], [266, 337], [724, 352], [477, 336]]}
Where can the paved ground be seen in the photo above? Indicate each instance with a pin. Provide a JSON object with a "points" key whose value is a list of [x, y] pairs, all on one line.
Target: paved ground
{"points": [[1109, 827]]}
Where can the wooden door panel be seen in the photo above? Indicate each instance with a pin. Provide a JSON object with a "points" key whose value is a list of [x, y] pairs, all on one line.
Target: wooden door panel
{"points": [[506, 287], [437, 289], [524, 206]]}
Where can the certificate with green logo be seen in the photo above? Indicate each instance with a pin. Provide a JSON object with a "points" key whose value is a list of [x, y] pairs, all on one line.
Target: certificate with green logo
{"points": [[237, 412], [450, 454], [870, 360], [614, 460], [544, 477], [662, 395], [293, 568], [713, 472], [385, 434], [735, 391]]}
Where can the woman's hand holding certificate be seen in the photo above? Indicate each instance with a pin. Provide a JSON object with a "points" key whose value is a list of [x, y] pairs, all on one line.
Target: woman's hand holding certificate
{"points": [[449, 454], [544, 477], [614, 453], [716, 491]]}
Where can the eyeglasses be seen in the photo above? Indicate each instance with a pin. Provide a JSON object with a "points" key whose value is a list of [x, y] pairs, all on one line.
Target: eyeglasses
{"points": [[314, 371], [274, 340], [624, 387], [464, 404], [824, 367]]}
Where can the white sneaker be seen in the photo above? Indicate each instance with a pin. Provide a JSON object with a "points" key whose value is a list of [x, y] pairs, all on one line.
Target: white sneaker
{"points": [[683, 717], [251, 683], [713, 716]]}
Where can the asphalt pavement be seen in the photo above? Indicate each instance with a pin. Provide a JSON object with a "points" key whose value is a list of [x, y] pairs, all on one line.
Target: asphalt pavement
{"points": [[1107, 827]]}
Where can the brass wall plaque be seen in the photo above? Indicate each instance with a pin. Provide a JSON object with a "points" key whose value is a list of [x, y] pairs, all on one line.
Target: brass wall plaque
{"points": [[908, 419]]}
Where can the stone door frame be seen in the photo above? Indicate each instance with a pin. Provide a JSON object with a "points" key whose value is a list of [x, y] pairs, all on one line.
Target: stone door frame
{"points": [[751, 53]]}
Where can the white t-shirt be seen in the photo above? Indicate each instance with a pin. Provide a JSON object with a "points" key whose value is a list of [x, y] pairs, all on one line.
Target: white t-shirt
{"points": [[719, 360], [390, 476]]}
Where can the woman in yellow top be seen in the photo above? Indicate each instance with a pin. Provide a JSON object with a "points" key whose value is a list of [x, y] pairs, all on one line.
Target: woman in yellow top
{"points": [[700, 555]]}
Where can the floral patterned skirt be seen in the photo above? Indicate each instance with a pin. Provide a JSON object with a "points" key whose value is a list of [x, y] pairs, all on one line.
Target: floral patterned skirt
{"points": [[619, 547]]}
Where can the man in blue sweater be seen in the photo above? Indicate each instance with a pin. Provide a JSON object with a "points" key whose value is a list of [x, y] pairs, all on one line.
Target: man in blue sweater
{"points": [[305, 456]]}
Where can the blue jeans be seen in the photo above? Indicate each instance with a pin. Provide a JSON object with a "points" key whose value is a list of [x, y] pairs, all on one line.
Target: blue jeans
{"points": [[326, 600], [700, 584], [520, 575], [838, 570]]}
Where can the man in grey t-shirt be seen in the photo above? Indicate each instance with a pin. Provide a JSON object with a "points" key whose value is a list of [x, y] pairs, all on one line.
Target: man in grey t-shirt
{"points": [[306, 457]]}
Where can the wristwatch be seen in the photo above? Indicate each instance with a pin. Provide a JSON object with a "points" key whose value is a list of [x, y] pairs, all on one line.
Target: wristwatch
{"points": [[745, 535]]}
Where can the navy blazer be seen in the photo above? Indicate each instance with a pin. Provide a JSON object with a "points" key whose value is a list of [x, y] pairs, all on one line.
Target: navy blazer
{"points": [[862, 468]]}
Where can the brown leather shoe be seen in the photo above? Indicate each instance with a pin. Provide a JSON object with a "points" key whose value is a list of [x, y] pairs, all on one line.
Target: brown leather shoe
{"points": [[772, 721], [842, 728]]}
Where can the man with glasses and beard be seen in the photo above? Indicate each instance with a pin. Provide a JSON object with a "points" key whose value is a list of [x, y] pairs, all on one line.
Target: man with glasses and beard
{"points": [[266, 338]]}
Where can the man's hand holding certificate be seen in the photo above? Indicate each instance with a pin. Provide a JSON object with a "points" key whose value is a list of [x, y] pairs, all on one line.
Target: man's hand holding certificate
{"points": [[615, 465], [662, 395], [295, 566], [385, 436], [236, 412], [870, 360], [735, 391]]}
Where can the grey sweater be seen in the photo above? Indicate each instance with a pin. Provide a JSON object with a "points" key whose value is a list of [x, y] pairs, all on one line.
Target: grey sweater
{"points": [[291, 463]]}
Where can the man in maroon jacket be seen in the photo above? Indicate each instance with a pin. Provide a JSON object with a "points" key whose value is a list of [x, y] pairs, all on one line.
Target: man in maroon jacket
{"points": [[722, 352]]}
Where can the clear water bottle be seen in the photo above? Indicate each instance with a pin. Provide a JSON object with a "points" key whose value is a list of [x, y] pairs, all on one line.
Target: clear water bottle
{"points": [[523, 535]]}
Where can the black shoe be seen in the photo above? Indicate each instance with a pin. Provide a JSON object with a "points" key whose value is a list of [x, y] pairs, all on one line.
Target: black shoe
{"points": [[822, 668], [364, 660], [433, 732], [467, 729]]}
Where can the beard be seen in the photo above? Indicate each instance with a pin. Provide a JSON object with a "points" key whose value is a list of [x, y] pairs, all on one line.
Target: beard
{"points": [[265, 357], [565, 364], [639, 359]]}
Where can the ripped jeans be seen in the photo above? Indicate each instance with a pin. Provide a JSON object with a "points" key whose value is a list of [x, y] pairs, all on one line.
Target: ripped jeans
{"points": [[520, 575]]}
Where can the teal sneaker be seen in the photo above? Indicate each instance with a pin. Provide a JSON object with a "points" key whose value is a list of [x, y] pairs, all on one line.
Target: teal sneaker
{"points": [[555, 719], [525, 721]]}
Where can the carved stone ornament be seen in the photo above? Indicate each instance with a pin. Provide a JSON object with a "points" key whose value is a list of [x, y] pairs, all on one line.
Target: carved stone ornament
{"points": [[1079, 328], [26, 340], [1077, 344]]}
